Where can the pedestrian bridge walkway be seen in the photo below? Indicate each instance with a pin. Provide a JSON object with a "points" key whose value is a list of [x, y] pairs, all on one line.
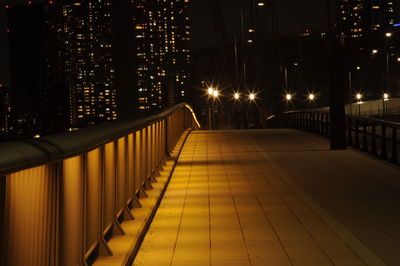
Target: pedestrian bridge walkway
{"points": [[275, 197]]}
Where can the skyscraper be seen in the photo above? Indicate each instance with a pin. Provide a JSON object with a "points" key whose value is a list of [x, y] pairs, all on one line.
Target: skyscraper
{"points": [[162, 52], [86, 32]]}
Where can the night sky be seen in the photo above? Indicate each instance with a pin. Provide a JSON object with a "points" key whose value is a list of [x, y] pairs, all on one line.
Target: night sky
{"points": [[294, 15]]}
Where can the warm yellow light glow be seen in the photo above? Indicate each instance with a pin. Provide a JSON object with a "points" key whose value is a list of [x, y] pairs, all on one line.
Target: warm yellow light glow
{"points": [[251, 30], [252, 96], [374, 51], [210, 91], [311, 97], [260, 4], [215, 93], [386, 96], [358, 96], [358, 67], [288, 97], [193, 115], [236, 95], [388, 34]]}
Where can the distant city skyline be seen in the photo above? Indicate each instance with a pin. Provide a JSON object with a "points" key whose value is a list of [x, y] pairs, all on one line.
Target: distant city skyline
{"points": [[294, 16]]}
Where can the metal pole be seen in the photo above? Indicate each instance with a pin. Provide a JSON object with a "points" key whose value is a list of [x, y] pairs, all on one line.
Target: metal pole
{"points": [[286, 79], [387, 71], [350, 94], [209, 116], [335, 82]]}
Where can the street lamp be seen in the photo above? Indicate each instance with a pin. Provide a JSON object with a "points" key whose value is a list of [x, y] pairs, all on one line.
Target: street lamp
{"points": [[215, 93], [252, 96], [261, 3], [385, 100], [288, 97], [311, 97], [211, 92], [359, 102], [388, 34], [374, 51], [236, 96], [386, 96]]}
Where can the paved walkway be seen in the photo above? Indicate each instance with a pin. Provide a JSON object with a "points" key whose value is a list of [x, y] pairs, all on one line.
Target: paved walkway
{"points": [[275, 197]]}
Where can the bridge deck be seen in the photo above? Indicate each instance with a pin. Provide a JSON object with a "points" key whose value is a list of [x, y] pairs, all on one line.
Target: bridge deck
{"points": [[276, 197]]}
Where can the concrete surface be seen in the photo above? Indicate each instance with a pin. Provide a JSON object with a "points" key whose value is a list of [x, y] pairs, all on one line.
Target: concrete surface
{"points": [[275, 197]]}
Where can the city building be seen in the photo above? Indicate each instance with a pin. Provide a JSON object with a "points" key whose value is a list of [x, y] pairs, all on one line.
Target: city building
{"points": [[365, 18], [61, 65], [86, 32], [162, 52], [370, 30]]}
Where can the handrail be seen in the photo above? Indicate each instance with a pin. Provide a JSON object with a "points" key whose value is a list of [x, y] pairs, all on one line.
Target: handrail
{"points": [[385, 122], [375, 136], [63, 197], [19, 155]]}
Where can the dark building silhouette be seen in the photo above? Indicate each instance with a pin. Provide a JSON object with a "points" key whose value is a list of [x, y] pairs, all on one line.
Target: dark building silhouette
{"points": [[4, 111], [38, 90]]}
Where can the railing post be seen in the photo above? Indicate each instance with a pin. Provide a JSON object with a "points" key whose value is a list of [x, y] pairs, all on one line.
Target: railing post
{"points": [[326, 124], [3, 245], [356, 134], [365, 142], [349, 132], [73, 211], [383, 143], [394, 158], [373, 139], [138, 162], [167, 135]]}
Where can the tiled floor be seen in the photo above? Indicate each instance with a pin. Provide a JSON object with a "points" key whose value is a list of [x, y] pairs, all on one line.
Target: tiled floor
{"points": [[274, 197]]}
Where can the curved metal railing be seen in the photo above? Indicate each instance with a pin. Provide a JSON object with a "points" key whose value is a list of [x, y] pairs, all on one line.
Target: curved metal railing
{"points": [[62, 197]]}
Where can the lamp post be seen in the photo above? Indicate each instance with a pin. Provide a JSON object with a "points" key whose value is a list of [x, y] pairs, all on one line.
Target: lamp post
{"points": [[359, 102], [311, 97], [385, 100], [288, 98], [388, 35], [210, 94]]}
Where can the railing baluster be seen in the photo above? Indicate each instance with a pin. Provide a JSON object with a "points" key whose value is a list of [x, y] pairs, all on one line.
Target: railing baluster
{"points": [[73, 212], [356, 134], [383, 143], [3, 217], [394, 158], [349, 132], [65, 212], [373, 139], [365, 143]]}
